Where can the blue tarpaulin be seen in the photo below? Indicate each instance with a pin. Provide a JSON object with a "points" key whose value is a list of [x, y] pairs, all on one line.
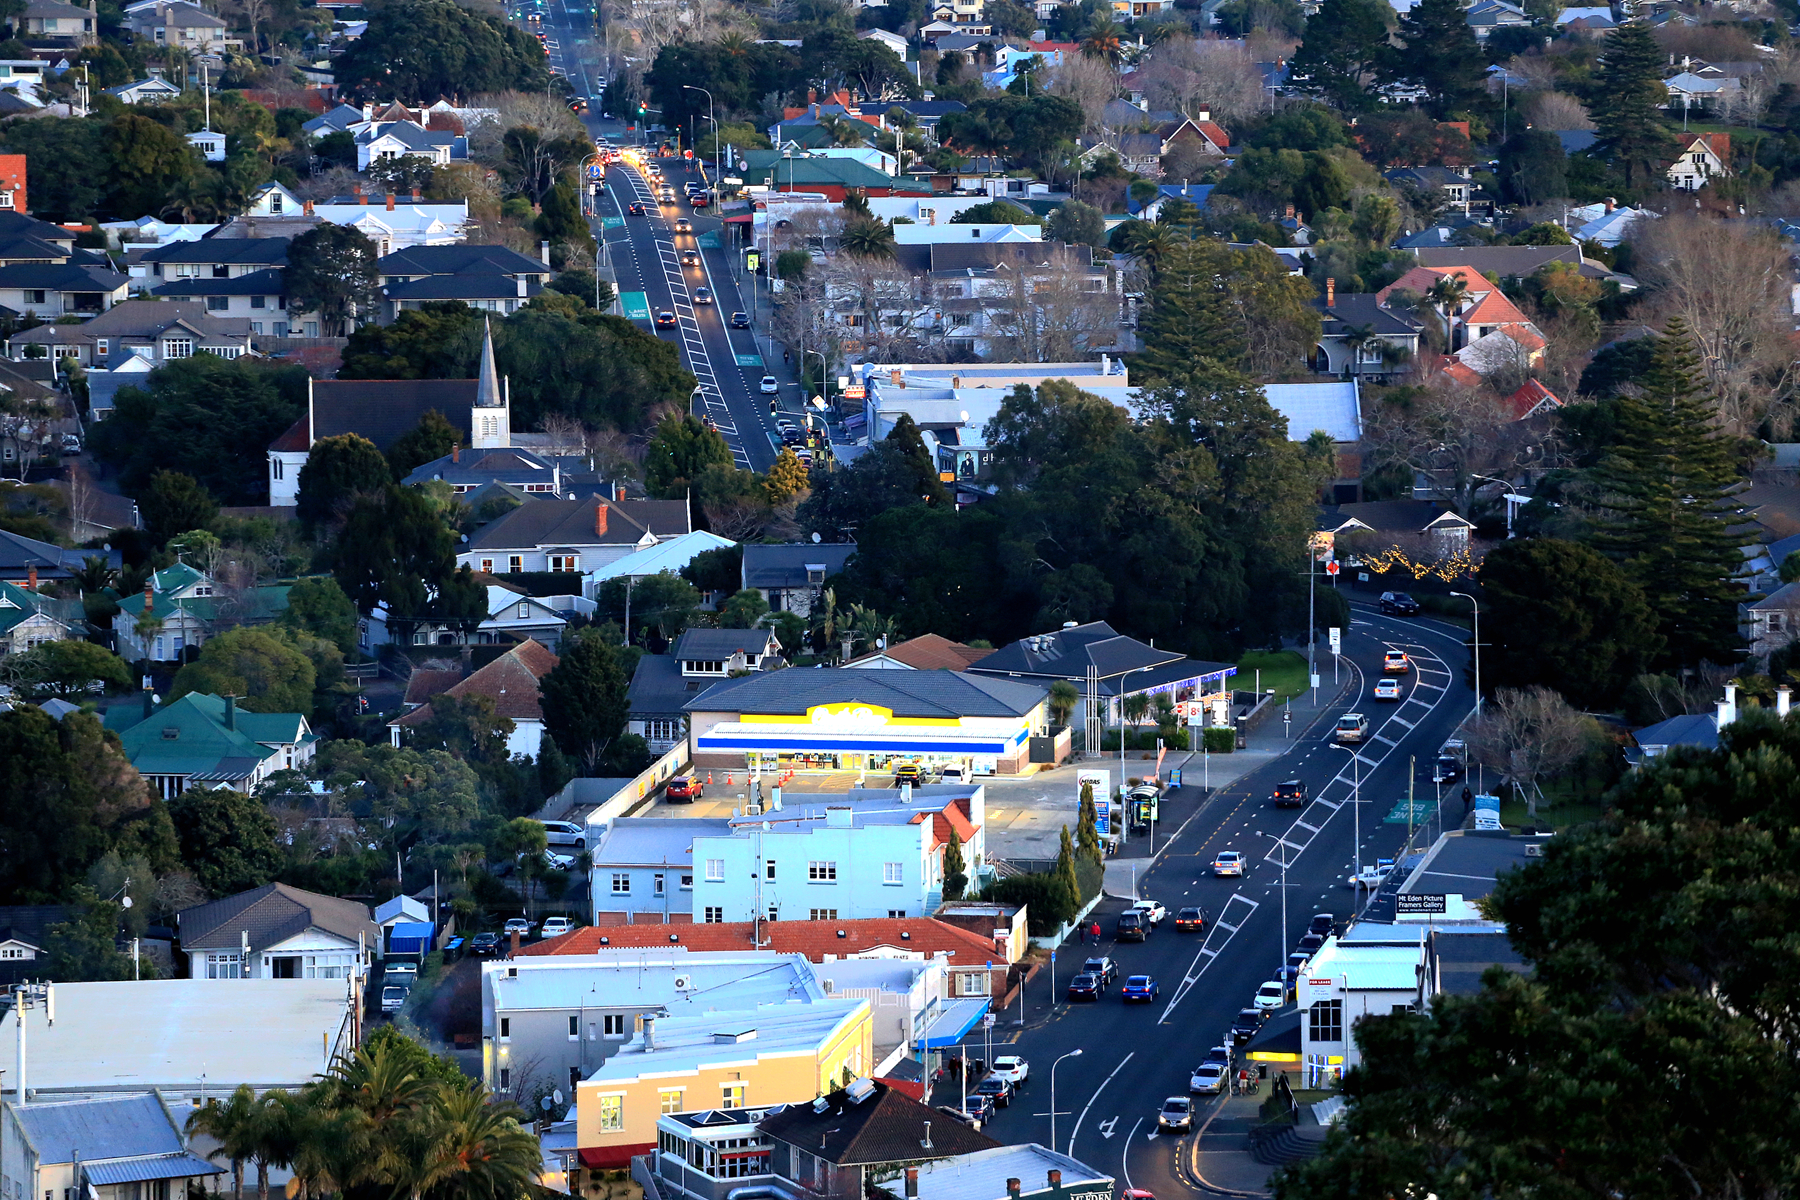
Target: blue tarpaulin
{"points": [[952, 1023]]}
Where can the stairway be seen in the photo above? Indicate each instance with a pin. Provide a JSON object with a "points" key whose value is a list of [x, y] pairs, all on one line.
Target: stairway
{"points": [[1280, 1144]]}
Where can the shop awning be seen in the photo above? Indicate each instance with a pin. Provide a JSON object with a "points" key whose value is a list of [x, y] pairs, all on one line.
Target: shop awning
{"points": [[953, 1023], [1278, 1041]]}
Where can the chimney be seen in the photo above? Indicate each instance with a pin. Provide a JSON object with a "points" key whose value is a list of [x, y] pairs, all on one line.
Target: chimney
{"points": [[31, 579], [231, 713], [912, 1182], [306, 207], [456, 452], [1289, 212], [1731, 699], [415, 195], [515, 943], [1330, 292], [1609, 203], [1784, 697], [544, 252], [147, 598], [1055, 1178], [812, 95], [1724, 717], [522, 285], [390, 202], [600, 519], [1012, 1189], [618, 491], [649, 1034]]}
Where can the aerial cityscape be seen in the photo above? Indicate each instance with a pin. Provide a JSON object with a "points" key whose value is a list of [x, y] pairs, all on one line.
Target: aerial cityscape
{"points": [[899, 600]]}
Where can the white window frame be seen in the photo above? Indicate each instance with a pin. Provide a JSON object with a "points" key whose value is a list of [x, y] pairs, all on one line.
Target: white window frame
{"points": [[715, 870], [715, 915], [612, 1026], [610, 1108], [893, 874], [821, 870], [621, 883]]}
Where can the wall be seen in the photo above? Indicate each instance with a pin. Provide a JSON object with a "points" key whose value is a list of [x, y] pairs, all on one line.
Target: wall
{"points": [[861, 853]]}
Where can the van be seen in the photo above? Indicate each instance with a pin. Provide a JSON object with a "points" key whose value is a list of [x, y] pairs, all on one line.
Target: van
{"points": [[393, 999], [954, 775], [1351, 727], [1133, 926]]}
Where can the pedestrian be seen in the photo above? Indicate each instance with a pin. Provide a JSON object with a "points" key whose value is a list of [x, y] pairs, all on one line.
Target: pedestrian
{"points": [[784, 355], [1468, 799], [1096, 932]]}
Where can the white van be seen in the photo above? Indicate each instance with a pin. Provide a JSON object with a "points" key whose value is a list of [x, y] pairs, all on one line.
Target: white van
{"points": [[954, 775]]}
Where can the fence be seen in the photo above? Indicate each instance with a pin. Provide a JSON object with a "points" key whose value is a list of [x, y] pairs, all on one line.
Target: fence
{"points": [[610, 801]]}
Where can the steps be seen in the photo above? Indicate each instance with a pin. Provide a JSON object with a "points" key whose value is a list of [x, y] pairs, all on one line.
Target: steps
{"points": [[1278, 1145]]}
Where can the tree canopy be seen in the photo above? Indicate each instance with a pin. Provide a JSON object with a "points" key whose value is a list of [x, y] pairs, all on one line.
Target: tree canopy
{"points": [[263, 669], [415, 51], [584, 698]]}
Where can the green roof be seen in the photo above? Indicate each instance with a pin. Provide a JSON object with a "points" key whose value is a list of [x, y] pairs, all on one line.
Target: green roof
{"points": [[838, 172], [189, 737], [263, 604], [19, 604]]}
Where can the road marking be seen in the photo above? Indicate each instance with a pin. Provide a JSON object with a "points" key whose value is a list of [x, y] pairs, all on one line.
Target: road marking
{"points": [[1208, 952], [1125, 1154], [1090, 1103], [1107, 1126]]}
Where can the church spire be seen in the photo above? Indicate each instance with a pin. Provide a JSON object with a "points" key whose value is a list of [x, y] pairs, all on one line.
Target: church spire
{"points": [[490, 420], [487, 385]]}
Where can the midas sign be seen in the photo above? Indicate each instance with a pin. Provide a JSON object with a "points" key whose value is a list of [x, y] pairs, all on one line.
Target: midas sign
{"points": [[849, 716]]}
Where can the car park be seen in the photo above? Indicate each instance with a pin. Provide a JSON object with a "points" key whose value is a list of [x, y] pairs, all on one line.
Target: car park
{"points": [[1229, 862], [1189, 920], [1177, 1115], [684, 789], [1387, 689], [1153, 912], [1207, 1079], [1248, 1021], [665, 318], [996, 1090], [1399, 604], [1291, 794], [683, 225], [768, 386], [1271, 995], [485, 945], [740, 320], [1105, 968], [565, 833], [1351, 727], [703, 295], [556, 926], [1395, 662], [1013, 1069], [1085, 987], [1138, 989]]}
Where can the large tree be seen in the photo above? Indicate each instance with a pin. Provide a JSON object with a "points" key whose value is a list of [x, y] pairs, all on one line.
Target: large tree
{"points": [[338, 470], [145, 161], [1239, 308], [1626, 99], [431, 439], [64, 669], [265, 671], [1442, 56], [331, 271], [1345, 50], [682, 448], [416, 51], [317, 605], [227, 839], [396, 550], [584, 699], [175, 503]]}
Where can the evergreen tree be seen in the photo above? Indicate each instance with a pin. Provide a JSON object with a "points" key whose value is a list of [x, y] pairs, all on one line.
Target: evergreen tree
{"points": [[682, 448], [1065, 872], [1624, 100], [926, 484], [584, 698], [1239, 308], [1442, 56], [1345, 50], [337, 470], [175, 503], [429, 440], [956, 872], [554, 770], [1087, 833], [786, 480], [1666, 513]]}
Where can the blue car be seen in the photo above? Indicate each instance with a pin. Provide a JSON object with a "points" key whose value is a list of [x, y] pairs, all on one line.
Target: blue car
{"points": [[1138, 988]]}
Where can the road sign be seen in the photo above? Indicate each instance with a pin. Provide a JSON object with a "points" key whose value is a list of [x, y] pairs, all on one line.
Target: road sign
{"points": [[749, 360], [1331, 568], [1337, 639], [752, 260], [636, 306], [611, 223]]}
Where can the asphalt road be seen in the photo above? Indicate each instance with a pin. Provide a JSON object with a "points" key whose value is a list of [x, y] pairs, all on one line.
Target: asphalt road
{"points": [[1132, 1058]]}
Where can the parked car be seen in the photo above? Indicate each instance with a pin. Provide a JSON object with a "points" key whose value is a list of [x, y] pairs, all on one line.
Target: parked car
{"points": [[1105, 968], [1387, 689], [1189, 920], [403, 972], [950, 774], [556, 926], [1207, 1079], [519, 925], [565, 833], [71, 443], [1399, 604], [768, 386], [1291, 794], [1013, 1069], [684, 789], [559, 862], [393, 998], [485, 945], [740, 320], [978, 1107], [1321, 924], [1271, 995], [997, 1090], [1177, 1115], [1085, 987], [1248, 1021], [1229, 862], [1447, 769], [1138, 989], [910, 772], [1395, 662], [1153, 912], [1351, 727], [1131, 926], [1308, 945]]}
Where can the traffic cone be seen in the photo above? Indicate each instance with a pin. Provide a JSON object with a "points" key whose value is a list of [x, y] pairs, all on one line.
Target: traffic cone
{"points": [[709, 779]]}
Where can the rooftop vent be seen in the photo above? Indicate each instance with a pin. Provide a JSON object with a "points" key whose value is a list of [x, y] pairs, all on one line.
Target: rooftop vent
{"points": [[905, 936], [606, 941], [859, 1090], [732, 1037], [674, 937], [841, 933]]}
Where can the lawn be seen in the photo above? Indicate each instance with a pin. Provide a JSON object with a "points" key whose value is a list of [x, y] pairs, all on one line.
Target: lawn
{"points": [[1557, 816], [1283, 670]]}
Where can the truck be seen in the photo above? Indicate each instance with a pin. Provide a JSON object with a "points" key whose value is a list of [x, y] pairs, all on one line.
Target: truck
{"points": [[393, 998]]}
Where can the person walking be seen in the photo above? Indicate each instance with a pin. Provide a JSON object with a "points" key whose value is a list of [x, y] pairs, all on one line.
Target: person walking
{"points": [[1096, 933], [1468, 799]]}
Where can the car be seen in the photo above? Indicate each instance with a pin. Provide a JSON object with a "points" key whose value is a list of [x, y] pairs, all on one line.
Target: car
{"points": [[1291, 794], [1248, 1021], [402, 972], [1395, 662], [1013, 1069], [1399, 604], [1351, 727], [684, 789], [1152, 911], [690, 258], [702, 295], [1208, 1079], [740, 320], [1447, 769], [978, 1107], [1321, 924], [909, 773], [71, 443], [578, 105], [1131, 926], [1229, 862], [1310, 943], [636, 209], [768, 386], [666, 196], [665, 318], [559, 862], [683, 225], [1387, 689], [485, 945], [1271, 995], [1371, 877], [1177, 1115], [791, 436], [556, 926], [393, 998], [565, 833], [1220, 1054], [1085, 987], [1105, 968], [519, 925], [699, 200], [1189, 920], [995, 1089], [1296, 963], [1138, 989]]}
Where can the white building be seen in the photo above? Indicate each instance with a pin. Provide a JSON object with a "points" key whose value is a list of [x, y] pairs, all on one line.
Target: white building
{"points": [[106, 1148], [278, 932]]}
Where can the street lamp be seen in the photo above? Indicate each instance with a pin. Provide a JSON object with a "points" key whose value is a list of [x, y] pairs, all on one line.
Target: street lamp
{"points": [[824, 376], [1477, 644], [1356, 801], [713, 121], [1075, 1053]]}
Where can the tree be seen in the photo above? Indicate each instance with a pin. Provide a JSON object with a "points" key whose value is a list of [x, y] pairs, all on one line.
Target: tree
{"points": [[259, 666], [1527, 735], [467, 727], [994, 212], [868, 239], [317, 605], [233, 1125], [419, 796], [536, 160], [63, 670], [1561, 615], [431, 439], [331, 271], [1665, 510], [59, 180], [1077, 224], [1442, 56], [1087, 832], [956, 872], [1344, 51], [743, 610], [85, 946], [1065, 873], [175, 503], [925, 482], [786, 480], [145, 161], [227, 839], [681, 449], [1625, 101], [584, 699], [395, 549], [1063, 699], [338, 470], [1024, 127], [1239, 308], [1533, 168], [719, 571], [415, 51]]}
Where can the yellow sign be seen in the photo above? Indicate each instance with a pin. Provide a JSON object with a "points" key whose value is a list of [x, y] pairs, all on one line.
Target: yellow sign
{"points": [[1272, 1056], [851, 717]]}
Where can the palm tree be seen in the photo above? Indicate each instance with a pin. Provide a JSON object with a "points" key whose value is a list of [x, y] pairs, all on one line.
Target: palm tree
{"points": [[1357, 338], [96, 574], [1447, 293], [867, 239], [1153, 244], [473, 1150], [233, 1125], [1135, 706], [871, 627], [856, 205], [1104, 39], [1063, 699], [823, 619]]}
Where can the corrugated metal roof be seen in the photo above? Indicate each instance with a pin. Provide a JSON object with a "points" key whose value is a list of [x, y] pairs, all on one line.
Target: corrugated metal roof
{"points": [[137, 1170], [116, 1127]]}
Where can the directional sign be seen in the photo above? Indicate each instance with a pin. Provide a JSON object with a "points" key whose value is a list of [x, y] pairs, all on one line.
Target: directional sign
{"points": [[708, 240], [749, 360], [612, 223], [636, 305], [1337, 639]]}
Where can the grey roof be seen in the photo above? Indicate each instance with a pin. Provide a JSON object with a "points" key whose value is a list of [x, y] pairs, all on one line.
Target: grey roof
{"points": [[1692, 729], [408, 133], [152, 84], [983, 1175], [1468, 864], [266, 251], [481, 466], [271, 914], [461, 259], [62, 277], [885, 1127], [179, 15], [17, 224], [658, 688], [1389, 516], [1425, 177], [1359, 309], [1497, 262], [139, 1170], [985, 256], [480, 286], [699, 642], [383, 410], [785, 565], [18, 554], [1574, 141], [267, 282], [1460, 956], [647, 841], [55, 8], [143, 319], [572, 523], [1068, 653], [337, 120], [113, 1127], [28, 923], [906, 693], [24, 245]]}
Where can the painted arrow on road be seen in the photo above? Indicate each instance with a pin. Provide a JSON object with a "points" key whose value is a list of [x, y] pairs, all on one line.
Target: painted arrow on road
{"points": [[1107, 1127]]}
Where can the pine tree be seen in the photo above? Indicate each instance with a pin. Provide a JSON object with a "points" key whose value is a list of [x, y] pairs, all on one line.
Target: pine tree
{"points": [[1667, 517], [1345, 49], [956, 872], [1235, 307], [787, 479], [1087, 833], [905, 435], [1065, 872], [1624, 100], [1442, 56]]}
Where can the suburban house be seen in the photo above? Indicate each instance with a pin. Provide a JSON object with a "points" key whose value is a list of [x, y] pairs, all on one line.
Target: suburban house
{"points": [[29, 619], [521, 472], [1702, 157], [179, 23], [791, 575], [75, 284], [1360, 336], [384, 410], [181, 606], [157, 331], [391, 221], [1105, 667], [1440, 185], [24, 934], [54, 22], [383, 141], [1380, 521], [971, 290], [573, 536], [278, 932], [511, 682], [153, 90], [668, 556], [927, 652], [1485, 16], [125, 1147], [1142, 149], [1486, 331], [662, 683], [201, 740], [512, 616], [25, 560], [234, 277], [1773, 621], [488, 278], [1532, 399]]}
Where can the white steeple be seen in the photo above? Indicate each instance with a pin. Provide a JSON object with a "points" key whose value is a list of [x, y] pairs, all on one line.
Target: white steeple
{"points": [[490, 421]]}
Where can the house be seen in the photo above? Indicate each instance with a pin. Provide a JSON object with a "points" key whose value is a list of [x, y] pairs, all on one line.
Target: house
{"points": [[24, 560], [573, 536], [1023, 1172], [385, 141], [1774, 620], [278, 932], [717, 653], [157, 331], [29, 619], [181, 607], [892, 41], [244, 273], [1612, 226], [401, 910], [512, 616], [1381, 521], [488, 278], [1360, 336], [1481, 311], [1439, 185], [393, 222], [662, 684], [790, 576], [511, 682], [1689, 90], [180, 23], [1105, 666], [24, 937], [1697, 730], [1532, 399], [1702, 157], [1196, 194], [927, 652], [202, 740], [125, 1147], [56, 23], [153, 90], [1585, 20], [643, 869], [521, 471], [1485, 16], [1499, 262], [668, 556], [73, 287], [385, 410]]}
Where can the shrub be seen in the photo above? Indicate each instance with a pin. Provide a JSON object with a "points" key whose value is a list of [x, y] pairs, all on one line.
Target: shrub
{"points": [[1220, 741]]}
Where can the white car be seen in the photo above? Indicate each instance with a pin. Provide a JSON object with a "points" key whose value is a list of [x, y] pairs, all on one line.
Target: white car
{"points": [[519, 925], [1177, 1115], [1229, 862], [769, 385], [559, 862], [1372, 877], [1271, 995], [1153, 912], [565, 833], [1208, 1079], [1011, 1068], [557, 926]]}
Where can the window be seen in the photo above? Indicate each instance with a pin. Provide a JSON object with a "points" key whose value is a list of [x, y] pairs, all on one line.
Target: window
{"points": [[574, 1028], [893, 872], [715, 870], [516, 563], [733, 1096], [897, 913], [621, 882], [221, 271], [259, 302], [218, 303], [663, 729], [275, 202], [256, 327], [656, 886], [821, 872], [928, 216], [565, 562], [505, 1028], [487, 566], [574, 1079], [101, 346], [972, 983], [178, 348], [824, 914], [769, 869], [668, 1100], [614, 1025], [612, 1114], [687, 882], [505, 1079], [1325, 1021], [774, 912], [715, 915], [222, 966]]}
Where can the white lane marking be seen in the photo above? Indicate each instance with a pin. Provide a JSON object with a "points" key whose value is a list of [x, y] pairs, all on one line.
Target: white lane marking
{"points": [[1091, 1099]]}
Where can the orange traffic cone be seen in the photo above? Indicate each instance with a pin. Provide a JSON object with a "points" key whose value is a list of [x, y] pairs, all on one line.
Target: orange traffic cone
{"points": [[709, 779]]}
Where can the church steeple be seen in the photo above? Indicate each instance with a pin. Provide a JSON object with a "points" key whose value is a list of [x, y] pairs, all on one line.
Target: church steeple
{"points": [[490, 422]]}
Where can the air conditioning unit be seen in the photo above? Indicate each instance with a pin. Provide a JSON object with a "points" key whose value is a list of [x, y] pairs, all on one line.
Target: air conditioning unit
{"points": [[683, 983], [827, 986], [1534, 849]]}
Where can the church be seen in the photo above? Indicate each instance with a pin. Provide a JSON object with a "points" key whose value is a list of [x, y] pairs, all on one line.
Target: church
{"points": [[385, 410]]}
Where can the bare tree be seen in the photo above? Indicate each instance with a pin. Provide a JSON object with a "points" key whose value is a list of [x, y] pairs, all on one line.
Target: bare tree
{"points": [[1730, 281], [740, 520], [1090, 82], [1555, 110], [547, 114], [1528, 736], [1054, 313], [880, 295], [1457, 441], [1192, 76]]}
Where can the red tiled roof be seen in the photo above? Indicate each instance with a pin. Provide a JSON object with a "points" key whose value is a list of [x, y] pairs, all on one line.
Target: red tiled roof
{"points": [[1462, 372], [1530, 397], [297, 437], [931, 652], [1214, 133], [814, 939], [511, 681], [423, 684], [1420, 279]]}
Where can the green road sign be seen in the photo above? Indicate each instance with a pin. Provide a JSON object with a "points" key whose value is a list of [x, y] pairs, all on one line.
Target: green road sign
{"points": [[1421, 812], [636, 305], [749, 360], [708, 240], [612, 223]]}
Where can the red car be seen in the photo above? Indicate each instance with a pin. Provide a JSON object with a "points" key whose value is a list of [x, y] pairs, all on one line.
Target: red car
{"points": [[684, 788]]}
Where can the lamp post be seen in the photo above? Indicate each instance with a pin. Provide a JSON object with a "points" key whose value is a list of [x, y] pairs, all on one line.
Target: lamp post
{"points": [[1476, 643], [1075, 1053], [713, 121], [824, 377], [1356, 800]]}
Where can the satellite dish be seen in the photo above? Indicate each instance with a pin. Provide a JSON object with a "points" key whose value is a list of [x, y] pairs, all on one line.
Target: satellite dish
{"points": [[125, 903], [558, 1095], [815, 539], [965, 421], [546, 1104]]}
